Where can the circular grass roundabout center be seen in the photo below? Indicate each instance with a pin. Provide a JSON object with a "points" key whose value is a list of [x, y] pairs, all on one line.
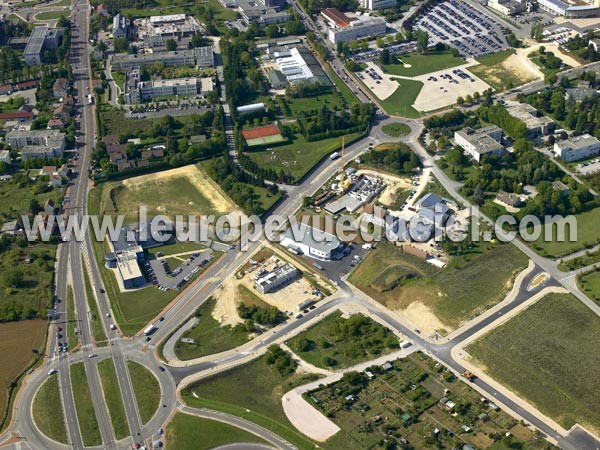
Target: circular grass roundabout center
{"points": [[395, 129]]}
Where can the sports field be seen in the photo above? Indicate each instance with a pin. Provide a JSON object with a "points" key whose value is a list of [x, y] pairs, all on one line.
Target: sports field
{"points": [[423, 64], [267, 135], [549, 355]]}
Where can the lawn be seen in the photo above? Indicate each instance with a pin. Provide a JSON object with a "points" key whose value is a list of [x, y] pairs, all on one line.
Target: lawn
{"points": [[548, 355], [146, 389], [177, 196], [88, 424], [299, 156], [219, 11], [256, 396], [209, 335], [336, 342], [72, 339], [332, 100], [185, 432], [48, 412], [492, 70], [404, 403], [52, 15], [112, 395], [17, 339], [588, 234], [465, 288], [423, 64], [97, 328], [396, 129], [590, 284], [18, 194], [176, 247], [400, 102]]}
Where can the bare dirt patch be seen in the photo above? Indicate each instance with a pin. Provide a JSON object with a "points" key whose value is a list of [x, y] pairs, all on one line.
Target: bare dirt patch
{"points": [[425, 320]]}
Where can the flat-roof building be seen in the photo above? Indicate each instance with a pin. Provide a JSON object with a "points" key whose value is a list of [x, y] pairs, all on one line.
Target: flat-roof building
{"points": [[481, 142], [200, 57], [345, 29], [561, 8], [40, 39], [507, 7], [378, 4], [37, 143], [575, 149], [312, 242], [535, 123], [298, 64], [270, 281]]}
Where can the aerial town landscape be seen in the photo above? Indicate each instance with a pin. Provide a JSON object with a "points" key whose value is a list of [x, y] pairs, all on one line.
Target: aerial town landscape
{"points": [[401, 247]]}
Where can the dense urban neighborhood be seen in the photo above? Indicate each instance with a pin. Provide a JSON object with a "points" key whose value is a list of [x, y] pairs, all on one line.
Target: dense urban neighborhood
{"points": [[296, 224]]}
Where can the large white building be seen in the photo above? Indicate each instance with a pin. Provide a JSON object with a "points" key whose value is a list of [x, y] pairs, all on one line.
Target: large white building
{"points": [[508, 7], [378, 4], [200, 57], [580, 147], [561, 8], [312, 242], [535, 123], [270, 281], [345, 29], [40, 39], [481, 142], [37, 143]]}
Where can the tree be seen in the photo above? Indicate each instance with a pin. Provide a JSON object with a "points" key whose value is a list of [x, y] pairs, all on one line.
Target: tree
{"points": [[272, 30], [121, 45], [460, 101], [468, 99], [422, 41], [12, 278], [171, 45], [384, 56]]}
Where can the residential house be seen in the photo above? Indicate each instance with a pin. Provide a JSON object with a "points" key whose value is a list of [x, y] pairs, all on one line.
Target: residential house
{"points": [[60, 88], [509, 199], [562, 187], [55, 124], [49, 206], [5, 156]]}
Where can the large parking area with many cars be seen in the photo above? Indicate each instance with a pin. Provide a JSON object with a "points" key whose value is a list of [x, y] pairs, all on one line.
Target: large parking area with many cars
{"points": [[471, 31], [164, 277]]}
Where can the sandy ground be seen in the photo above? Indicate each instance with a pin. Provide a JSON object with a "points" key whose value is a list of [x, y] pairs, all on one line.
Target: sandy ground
{"points": [[550, 47], [225, 310], [425, 320], [510, 209], [205, 185], [387, 197]]}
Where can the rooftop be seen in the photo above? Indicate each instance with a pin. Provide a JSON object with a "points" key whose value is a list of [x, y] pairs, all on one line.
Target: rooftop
{"points": [[313, 237]]}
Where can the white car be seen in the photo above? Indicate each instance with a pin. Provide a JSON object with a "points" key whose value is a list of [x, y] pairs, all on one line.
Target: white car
{"points": [[51, 372]]}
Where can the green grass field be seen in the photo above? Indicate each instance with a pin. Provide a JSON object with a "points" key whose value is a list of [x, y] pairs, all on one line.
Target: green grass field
{"points": [[493, 72], [209, 335], [337, 342], [112, 395], [299, 156], [466, 287], [88, 424], [186, 432], [588, 234], [423, 64], [177, 196], [400, 102], [332, 100], [256, 397], [48, 411], [396, 129], [16, 196], [97, 329], [52, 15], [548, 355], [590, 284], [146, 388]]}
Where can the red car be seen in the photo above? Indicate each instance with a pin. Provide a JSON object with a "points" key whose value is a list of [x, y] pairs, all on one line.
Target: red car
{"points": [[58, 329]]}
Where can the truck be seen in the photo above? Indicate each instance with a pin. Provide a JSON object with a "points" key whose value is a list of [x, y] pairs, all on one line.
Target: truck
{"points": [[318, 266], [149, 330], [469, 375], [334, 155], [305, 304]]}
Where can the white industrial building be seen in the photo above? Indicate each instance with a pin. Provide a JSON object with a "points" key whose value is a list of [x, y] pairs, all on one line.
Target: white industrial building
{"points": [[343, 28], [312, 242], [481, 142], [561, 8], [378, 4], [575, 149]]}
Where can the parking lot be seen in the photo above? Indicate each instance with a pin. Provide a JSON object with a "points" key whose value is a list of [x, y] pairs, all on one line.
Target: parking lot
{"points": [[164, 277], [588, 167], [471, 31], [372, 54]]}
